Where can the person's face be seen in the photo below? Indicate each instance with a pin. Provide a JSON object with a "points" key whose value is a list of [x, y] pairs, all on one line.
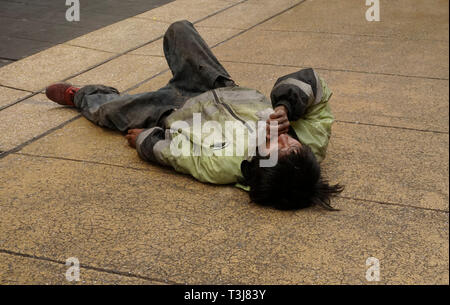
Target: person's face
{"points": [[286, 145]]}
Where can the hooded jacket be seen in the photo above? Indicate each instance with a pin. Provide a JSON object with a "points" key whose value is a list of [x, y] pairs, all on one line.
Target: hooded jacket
{"points": [[208, 137]]}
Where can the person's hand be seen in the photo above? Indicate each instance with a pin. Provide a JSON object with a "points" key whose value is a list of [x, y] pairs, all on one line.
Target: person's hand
{"points": [[132, 136], [279, 115]]}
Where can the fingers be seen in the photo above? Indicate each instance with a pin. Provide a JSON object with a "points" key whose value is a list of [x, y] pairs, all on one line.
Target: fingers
{"points": [[280, 128], [281, 108], [284, 127], [279, 121], [277, 115], [282, 120]]}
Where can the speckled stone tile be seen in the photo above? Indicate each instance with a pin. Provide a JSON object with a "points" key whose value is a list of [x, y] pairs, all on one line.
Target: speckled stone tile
{"points": [[153, 84], [8, 96], [248, 14], [192, 10], [42, 69], [408, 102], [167, 226], [404, 19], [17, 270], [30, 118], [121, 36], [390, 165], [123, 72], [82, 140], [339, 52]]}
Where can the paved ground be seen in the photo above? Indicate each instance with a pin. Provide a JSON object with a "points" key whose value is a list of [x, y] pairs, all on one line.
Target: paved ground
{"points": [[71, 189], [30, 26]]}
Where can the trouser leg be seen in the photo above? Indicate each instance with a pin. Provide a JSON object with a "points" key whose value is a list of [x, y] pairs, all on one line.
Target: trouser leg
{"points": [[194, 67], [195, 70], [104, 106]]}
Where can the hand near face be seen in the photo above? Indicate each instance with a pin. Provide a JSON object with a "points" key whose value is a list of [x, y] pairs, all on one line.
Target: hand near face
{"points": [[280, 116]]}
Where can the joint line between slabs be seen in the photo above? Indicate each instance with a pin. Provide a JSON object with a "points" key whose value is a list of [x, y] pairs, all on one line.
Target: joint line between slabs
{"points": [[354, 34], [83, 161], [99, 269], [336, 70], [20, 146], [18, 89], [259, 23], [394, 127], [395, 204]]}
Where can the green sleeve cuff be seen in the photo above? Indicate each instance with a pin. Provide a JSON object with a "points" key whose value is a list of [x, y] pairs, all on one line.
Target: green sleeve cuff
{"points": [[243, 187]]}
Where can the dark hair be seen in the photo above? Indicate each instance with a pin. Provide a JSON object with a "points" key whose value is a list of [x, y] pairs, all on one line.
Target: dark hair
{"points": [[295, 182]]}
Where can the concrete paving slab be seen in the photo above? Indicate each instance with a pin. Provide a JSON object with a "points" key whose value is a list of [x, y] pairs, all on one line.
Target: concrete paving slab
{"points": [[153, 49], [37, 71], [8, 95], [85, 141], [117, 218], [212, 36], [248, 13], [30, 118], [17, 270], [153, 84], [191, 10], [364, 97], [122, 72], [121, 36], [403, 19], [409, 102], [341, 52], [390, 165]]}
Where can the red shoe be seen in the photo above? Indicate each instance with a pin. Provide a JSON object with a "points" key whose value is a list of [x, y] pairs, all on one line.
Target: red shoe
{"points": [[61, 93]]}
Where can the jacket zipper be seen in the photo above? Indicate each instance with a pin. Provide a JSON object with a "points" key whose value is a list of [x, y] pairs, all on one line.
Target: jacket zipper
{"points": [[234, 115]]}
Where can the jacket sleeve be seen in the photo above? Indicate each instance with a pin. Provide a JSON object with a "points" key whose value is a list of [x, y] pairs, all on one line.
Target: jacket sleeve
{"points": [[146, 142], [212, 169], [154, 145], [314, 129], [297, 91]]}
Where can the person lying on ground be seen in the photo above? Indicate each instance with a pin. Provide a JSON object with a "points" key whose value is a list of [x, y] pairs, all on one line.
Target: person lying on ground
{"points": [[203, 124]]}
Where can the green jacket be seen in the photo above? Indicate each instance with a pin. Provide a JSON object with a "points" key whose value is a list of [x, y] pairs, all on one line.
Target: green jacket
{"points": [[198, 139]]}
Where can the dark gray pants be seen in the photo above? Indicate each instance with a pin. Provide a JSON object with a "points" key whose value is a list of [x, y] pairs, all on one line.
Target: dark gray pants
{"points": [[195, 70]]}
